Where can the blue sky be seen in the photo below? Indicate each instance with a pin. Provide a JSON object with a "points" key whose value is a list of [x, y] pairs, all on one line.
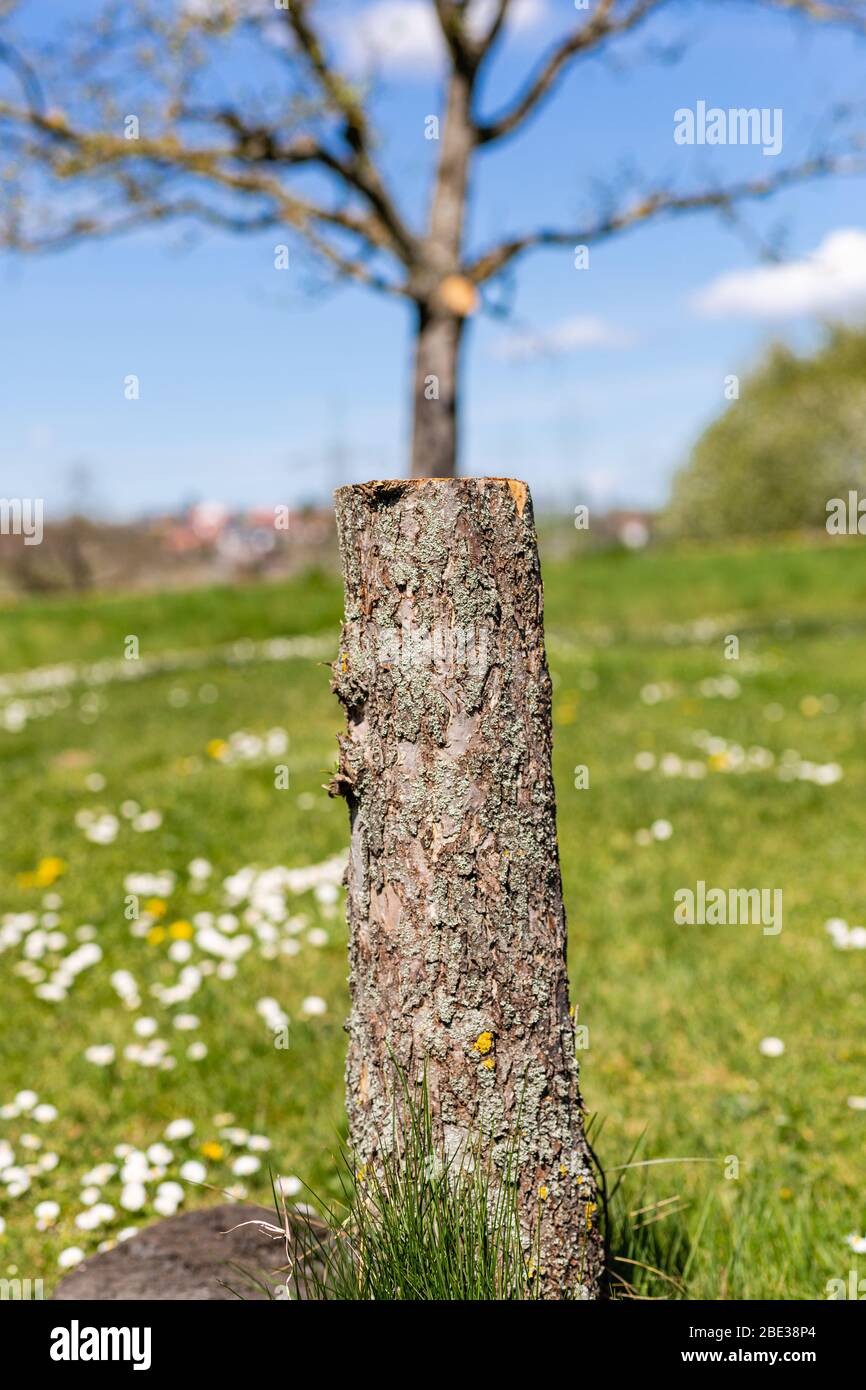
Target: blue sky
{"points": [[255, 391]]}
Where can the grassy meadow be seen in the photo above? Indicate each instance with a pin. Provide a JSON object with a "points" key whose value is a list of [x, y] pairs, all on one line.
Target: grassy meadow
{"points": [[118, 775]]}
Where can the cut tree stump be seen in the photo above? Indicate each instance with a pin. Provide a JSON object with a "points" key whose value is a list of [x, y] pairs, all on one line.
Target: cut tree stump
{"points": [[212, 1256], [457, 930]]}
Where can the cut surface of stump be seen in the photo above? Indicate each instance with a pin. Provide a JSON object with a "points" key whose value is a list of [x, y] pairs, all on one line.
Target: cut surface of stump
{"points": [[456, 921], [198, 1256]]}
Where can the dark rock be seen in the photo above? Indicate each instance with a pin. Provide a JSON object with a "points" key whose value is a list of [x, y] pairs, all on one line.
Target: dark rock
{"points": [[201, 1255]]}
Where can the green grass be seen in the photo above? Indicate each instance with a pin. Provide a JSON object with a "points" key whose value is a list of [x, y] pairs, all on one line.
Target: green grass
{"points": [[416, 1225], [675, 1014]]}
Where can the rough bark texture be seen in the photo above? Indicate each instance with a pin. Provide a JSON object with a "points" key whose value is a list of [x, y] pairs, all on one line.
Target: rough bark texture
{"points": [[457, 929]]}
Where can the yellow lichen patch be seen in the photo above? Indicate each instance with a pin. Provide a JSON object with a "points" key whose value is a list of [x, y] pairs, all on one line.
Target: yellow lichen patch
{"points": [[488, 1062], [544, 1192], [563, 1171], [483, 1043], [344, 663], [589, 1211]]}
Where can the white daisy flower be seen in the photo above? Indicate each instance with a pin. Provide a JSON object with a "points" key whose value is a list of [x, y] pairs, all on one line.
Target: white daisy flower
{"points": [[186, 1022], [661, 830], [179, 1129], [193, 1171], [70, 1257], [313, 1005], [133, 1197], [160, 1154], [246, 1165]]}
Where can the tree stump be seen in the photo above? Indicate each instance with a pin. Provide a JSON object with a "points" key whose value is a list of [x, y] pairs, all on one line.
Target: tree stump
{"points": [[456, 923]]}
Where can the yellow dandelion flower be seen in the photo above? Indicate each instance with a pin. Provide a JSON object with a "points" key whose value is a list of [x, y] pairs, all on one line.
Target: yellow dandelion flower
{"points": [[810, 706], [181, 931], [47, 870], [785, 1193], [155, 907], [45, 873], [718, 761], [483, 1043], [216, 747], [211, 1149], [155, 936]]}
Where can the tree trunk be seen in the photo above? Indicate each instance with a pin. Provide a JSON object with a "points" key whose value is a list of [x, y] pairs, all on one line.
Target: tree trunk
{"points": [[434, 393], [457, 929]]}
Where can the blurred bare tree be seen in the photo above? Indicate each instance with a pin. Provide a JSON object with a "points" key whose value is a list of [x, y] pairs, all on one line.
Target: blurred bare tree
{"points": [[233, 113]]}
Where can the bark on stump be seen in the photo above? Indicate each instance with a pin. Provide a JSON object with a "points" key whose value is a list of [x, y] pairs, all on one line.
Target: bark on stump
{"points": [[456, 923]]}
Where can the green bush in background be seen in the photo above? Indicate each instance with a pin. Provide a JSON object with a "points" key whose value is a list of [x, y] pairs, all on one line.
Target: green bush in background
{"points": [[792, 440]]}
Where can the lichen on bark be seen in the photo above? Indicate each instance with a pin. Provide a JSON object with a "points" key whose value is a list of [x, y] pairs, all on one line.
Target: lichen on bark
{"points": [[457, 934]]}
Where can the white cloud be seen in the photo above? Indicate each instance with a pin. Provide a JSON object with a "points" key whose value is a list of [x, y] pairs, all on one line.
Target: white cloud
{"points": [[572, 335], [523, 14], [404, 35], [832, 280]]}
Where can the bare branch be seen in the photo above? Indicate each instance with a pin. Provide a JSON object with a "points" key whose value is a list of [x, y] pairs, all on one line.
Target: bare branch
{"points": [[18, 64], [660, 204], [850, 15], [496, 25], [360, 169], [465, 49], [101, 228], [606, 23], [71, 152]]}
